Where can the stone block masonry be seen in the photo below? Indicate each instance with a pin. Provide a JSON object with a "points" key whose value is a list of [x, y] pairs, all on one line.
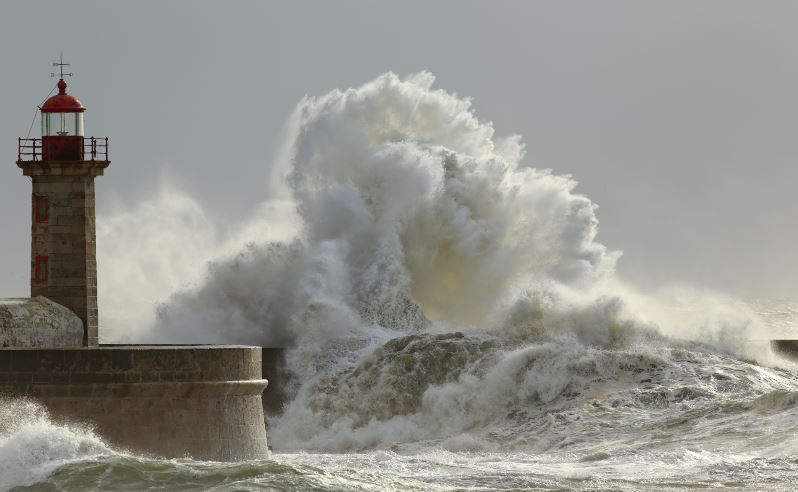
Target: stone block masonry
{"points": [[165, 401], [63, 237]]}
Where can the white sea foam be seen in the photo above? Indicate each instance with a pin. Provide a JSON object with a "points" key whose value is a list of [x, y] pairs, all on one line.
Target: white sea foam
{"points": [[32, 447], [434, 289]]}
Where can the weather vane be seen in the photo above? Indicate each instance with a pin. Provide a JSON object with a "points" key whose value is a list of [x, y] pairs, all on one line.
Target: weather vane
{"points": [[61, 66]]}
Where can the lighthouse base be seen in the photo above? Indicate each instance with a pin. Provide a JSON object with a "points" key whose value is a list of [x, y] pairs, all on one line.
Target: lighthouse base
{"points": [[202, 402]]}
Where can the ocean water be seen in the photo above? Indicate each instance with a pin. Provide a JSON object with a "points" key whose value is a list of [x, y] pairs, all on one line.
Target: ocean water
{"points": [[668, 416], [453, 324]]}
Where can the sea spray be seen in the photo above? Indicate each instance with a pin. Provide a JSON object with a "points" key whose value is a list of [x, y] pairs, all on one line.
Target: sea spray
{"points": [[32, 447], [440, 292], [411, 212], [159, 247]]}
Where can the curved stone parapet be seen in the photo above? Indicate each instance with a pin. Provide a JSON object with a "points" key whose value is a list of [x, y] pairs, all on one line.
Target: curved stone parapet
{"points": [[165, 401]]}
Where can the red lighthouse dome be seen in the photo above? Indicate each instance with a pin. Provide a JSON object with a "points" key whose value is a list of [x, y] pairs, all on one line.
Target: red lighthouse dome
{"points": [[62, 102]]}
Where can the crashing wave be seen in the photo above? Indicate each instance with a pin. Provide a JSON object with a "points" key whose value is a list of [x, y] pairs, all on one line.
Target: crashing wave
{"points": [[439, 289]]}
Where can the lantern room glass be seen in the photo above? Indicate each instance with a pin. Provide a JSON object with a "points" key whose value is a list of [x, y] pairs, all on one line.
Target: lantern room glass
{"points": [[62, 124]]}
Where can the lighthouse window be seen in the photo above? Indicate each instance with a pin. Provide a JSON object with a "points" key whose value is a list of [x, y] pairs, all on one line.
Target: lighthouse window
{"points": [[62, 124], [42, 209], [40, 271]]}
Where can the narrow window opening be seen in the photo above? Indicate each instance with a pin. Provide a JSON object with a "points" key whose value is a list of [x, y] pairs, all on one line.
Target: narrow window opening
{"points": [[41, 209], [41, 270]]}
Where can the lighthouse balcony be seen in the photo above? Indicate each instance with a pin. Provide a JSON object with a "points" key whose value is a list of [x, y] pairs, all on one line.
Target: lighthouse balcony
{"points": [[62, 148]]}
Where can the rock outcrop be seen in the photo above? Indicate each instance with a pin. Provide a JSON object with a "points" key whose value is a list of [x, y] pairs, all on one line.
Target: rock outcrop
{"points": [[38, 322]]}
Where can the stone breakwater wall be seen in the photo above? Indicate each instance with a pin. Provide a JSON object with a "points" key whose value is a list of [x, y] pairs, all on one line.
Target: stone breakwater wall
{"points": [[165, 401]]}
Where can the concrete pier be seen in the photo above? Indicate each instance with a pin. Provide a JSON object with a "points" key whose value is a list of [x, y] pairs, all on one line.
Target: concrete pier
{"points": [[165, 401]]}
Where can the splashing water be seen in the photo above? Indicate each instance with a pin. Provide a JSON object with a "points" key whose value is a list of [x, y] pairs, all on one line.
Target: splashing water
{"points": [[32, 447], [452, 318]]}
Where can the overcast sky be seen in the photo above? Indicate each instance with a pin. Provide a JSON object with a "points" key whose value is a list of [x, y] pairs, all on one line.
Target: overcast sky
{"points": [[679, 118]]}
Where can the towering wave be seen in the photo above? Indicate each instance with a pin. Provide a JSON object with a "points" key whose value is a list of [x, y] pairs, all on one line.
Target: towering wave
{"points": [[437, 288], [411, 211]]}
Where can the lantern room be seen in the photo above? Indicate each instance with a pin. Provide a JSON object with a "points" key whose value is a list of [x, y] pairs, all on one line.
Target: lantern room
{"points": [[62, 126]]}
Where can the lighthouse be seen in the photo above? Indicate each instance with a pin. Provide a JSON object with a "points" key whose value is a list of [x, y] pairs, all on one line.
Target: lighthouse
{"points": [[62, 165], [161, 400]]}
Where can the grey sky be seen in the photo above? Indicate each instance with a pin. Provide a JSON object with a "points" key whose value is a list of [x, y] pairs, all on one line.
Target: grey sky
{"points": [[678, 118]]}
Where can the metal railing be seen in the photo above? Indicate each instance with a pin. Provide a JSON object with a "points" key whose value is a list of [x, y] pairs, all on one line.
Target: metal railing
{"points": [[30, 149], [96, 147]]}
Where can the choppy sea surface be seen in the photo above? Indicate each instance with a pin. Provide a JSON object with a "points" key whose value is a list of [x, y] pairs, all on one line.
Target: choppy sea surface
{"points": [[678, 417]]}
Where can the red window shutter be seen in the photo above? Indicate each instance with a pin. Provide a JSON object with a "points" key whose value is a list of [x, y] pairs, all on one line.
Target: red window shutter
{"points": [[41, 271], [41, 209]]}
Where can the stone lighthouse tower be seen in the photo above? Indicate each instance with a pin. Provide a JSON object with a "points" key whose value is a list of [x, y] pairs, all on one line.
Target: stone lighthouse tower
{"points": [[62, 165], [161, 400]]}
